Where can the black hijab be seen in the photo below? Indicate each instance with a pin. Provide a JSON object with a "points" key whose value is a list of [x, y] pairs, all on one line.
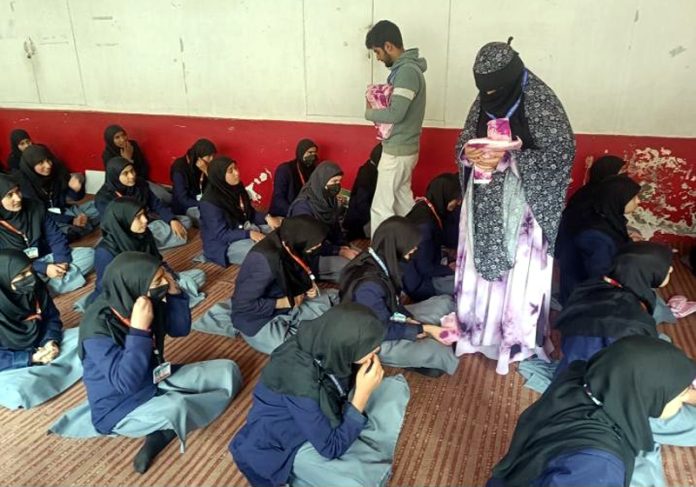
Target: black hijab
{"points": [[47, 188], [324, 347], [15, 156], [607, 212], [113, 188], [630, 382], [233, 200], [111, 150], [324, 206], [126, 279], [299, 233], [441, 190], [605, 167], [186, 164], [28, 220], [393, 239], [16, 332], [299, 166], [117, 236]]}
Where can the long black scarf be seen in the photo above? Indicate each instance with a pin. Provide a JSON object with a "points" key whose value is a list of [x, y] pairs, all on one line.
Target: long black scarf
{"points": [[126, 279], [233, 200], [633, 380], [324, 350], [113, 188], [324, 205], [299, 233], [47, 188], [393, 239], [302, 171], [16, 331], [186, 164], [117, 236], [15, 156], [441, 190], [111, 150], [28, 220]]}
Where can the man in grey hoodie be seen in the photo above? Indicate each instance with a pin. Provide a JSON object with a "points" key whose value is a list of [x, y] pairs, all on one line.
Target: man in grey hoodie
{"points": [[393, 195]]}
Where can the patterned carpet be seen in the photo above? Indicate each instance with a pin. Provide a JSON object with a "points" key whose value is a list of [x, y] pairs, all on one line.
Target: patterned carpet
{"points": [[456, 427]]}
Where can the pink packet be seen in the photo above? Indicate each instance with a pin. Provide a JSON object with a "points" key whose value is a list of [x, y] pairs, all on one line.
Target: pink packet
{"points": [[450, 332]]}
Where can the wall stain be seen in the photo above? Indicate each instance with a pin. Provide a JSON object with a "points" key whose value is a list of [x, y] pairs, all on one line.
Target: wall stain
{"points": [[677, 51]]}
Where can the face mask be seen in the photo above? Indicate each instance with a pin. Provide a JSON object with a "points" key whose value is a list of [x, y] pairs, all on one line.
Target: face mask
{"points": [[332, 190], [309, 161], [25, 285], [158, 293]]}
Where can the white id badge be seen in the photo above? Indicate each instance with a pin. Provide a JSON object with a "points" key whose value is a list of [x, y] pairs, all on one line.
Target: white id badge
{"points": [[55, 210], [161, 372], [32, 252], [199, 196]]}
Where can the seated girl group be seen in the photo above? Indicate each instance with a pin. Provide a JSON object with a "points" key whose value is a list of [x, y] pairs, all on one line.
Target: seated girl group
{"points": [[322, 412]]}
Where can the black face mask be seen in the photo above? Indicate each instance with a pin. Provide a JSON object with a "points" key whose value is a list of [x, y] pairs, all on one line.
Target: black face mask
{"points": [[158, 293], [309, 161], [332, 190], [25, 285]]}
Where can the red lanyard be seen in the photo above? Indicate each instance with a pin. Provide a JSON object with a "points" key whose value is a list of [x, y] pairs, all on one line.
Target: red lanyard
{"points": [[118, 193], [301, 175], [36, 315], [12, 229], [125, 321], [305, 268], [616, 283], [242, 206], [432, 210]]}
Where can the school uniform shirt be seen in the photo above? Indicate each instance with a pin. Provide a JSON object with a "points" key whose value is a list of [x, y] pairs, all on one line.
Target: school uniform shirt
{"points": [[334, 240], [289, 178], [425, 264]]}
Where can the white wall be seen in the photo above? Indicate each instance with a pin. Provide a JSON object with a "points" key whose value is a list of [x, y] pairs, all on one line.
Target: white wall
{"points": [[619, 66]]}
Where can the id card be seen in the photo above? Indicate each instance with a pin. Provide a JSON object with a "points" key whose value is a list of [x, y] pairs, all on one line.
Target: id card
{"points": [[32, 252], [55, 210], [161, 372], [199, 196]]}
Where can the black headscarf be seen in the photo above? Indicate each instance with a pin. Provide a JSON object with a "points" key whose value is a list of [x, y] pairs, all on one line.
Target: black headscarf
{"points": [[17, 333], [393, 239], [607, 212], [362, 195], [126, 279], [117, 236], [441, 190], [186, 164], [605, 167], [302, 146], [113, 188], [633, 379], [324, 206], [233, 200], [323, 347], [47, 188], [16, 136], [111, 150], [28, 220], [299, 233]]}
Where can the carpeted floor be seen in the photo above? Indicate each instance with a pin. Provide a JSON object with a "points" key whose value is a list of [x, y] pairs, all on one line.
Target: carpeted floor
{"points": [[456, 427]]}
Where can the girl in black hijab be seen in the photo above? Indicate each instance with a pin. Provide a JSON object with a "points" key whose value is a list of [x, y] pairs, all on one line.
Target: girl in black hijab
{"points": [[358, 214], [19, 141], [131, 389], [595, 236], [189, 175], [591, 423], [425, 276], [290, 176], [123, 180], [230, 225], [374, 279], [319, 199], [118, 144], [43, 178], [275, 288], [303, 394]]}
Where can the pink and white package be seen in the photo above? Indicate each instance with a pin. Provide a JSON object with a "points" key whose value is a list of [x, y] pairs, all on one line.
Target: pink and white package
{"points": [[450, 329], [378, 97]]}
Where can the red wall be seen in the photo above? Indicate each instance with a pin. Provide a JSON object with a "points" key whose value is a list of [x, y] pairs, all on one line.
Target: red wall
{"points": [[76, 137]]}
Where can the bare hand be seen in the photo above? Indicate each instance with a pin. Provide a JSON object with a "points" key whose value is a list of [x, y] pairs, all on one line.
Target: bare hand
{"points": [[75, 184], [41, 356], [56, 270], [299, 300], [348, 253], [434, 331], [52, 350], [173, 285], [80, 220], [143, 314], [489, 160], [473, 155], [283, 303], [312, 293], [178, 228], [127, 151], [256, 236], [274, 221], [367, 381], [202, 164]]}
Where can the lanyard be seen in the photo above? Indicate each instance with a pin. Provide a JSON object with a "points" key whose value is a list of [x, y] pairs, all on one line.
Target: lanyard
{"points": [[12, 229], [242, 206], [615, 283], [304, 267], [432, 210], [516, 105], [333, 379], [118, 193], [36, 315], [299, 171], [378, 260]]}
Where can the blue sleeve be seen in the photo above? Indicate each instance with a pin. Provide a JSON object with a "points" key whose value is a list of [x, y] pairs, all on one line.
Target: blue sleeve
{"points": [[178, 315], [155, 204], [301, 208], [372, 295], [281, 188], [180, 192], [255, 277], [62, 218], [75, 195], [101, 205], [53, 325], [125, 369], [426, 259], [217, 226], [260, 218], [102, 258], [597, 252], [315, 426], [56, 241], [14, 359], [578, 469]]}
